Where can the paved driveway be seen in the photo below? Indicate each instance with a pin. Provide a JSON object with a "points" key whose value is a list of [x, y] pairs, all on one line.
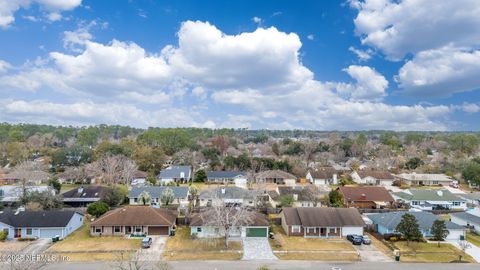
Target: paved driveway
{"points": [[257, 248], [155, 251], [369, 253], [38, 246], [472, 250]]}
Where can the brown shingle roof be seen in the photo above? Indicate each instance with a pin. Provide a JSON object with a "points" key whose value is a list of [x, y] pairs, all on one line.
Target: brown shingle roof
{"points": [[322, 217], [275, 174], [375, 174], [137, 215], [258, 220], [323, 172], [373, 194]]}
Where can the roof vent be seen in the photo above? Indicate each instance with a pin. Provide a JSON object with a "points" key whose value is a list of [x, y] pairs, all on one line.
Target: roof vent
{"points": [[80, 190], [440, 193], [363, 196]]}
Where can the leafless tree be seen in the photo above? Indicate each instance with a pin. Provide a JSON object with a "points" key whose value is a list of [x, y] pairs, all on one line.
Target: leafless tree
{"points": [[226, 218], [309, 149], [76, 174], [312, 193], [28, 172], [114, 169]]}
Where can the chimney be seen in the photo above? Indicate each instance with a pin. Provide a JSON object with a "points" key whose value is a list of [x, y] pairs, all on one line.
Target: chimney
{"points": [[223, 190], [363, 196], [80, 190], [335, 179], [440, 193], [295, 197]]}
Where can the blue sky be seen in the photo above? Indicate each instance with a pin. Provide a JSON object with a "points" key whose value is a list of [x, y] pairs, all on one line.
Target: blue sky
{"points": [[326, 65]]}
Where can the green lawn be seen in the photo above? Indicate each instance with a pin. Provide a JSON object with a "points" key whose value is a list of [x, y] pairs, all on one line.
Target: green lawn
{"points": [[430, 252], [473, 238]]}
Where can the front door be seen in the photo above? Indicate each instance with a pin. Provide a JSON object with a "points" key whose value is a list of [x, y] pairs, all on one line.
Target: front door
{"points": [[128, 229], [18, 233]]}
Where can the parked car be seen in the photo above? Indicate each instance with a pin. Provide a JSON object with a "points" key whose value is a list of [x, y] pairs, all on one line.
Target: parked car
{"points": [[355, 239], [366, 240], [146, 242]]}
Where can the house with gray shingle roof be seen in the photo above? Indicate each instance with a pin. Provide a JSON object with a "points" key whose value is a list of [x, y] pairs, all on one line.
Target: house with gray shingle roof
{"points": [[226, 177], [466, 219], [430, 199], [175, 174], [228, 196], [39, 224], [155, 194], [387, 223]]}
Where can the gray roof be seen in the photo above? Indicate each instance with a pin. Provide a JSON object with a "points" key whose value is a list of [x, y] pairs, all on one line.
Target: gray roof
{"points": [[229, 193], [86, 193], [52, 218], [175, 172], [425, 220], [467, 217], [322, 217], [156, 191], [428, 195], [470, 196], [225, 174]]}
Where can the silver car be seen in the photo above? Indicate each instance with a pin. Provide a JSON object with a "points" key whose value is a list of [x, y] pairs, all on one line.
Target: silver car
{"points": [[146, 242]]}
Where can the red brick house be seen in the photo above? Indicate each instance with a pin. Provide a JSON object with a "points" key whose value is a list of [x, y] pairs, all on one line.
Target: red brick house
{"points": [[366, 197]]}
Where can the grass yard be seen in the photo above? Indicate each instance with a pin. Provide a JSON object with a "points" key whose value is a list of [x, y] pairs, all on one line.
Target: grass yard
{"points": [[473, 238], [429, 252], [8, 246], [318, 256], [86, 257], [80, 240], [183, 247]]}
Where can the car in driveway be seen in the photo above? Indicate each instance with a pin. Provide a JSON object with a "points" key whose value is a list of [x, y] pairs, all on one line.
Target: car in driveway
{"points": [[146, 242], [366, 240], [355, 239]]}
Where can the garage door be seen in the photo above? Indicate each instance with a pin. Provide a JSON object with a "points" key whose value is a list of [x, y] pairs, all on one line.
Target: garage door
{"points": [[158, 230], [256, 232], [49, 233]]}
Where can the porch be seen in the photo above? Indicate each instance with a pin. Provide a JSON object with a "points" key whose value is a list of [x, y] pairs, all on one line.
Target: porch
{"points": [[322, 232]]}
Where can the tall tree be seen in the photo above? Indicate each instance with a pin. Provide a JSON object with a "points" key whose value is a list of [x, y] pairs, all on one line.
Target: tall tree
{"points": [[28, 172], [439, 230], [167, 197]]}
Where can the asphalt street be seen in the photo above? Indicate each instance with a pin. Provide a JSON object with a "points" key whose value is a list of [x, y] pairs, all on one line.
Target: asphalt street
{"points": [[278, 265]]}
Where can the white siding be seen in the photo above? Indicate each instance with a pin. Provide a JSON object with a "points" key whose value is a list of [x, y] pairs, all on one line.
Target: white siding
{"points": [[352, 230], [455, 234]]}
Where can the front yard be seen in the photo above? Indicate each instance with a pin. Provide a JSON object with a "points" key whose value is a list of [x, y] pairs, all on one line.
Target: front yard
{"points": [[430, 252], [299, 248], [183, 247], [473, 238], [80, 246], [12, 245]]}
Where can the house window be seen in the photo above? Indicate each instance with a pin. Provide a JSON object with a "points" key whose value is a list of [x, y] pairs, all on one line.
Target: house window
{"points": [[456, 203], [199, 229], [98, 229], [138, 229], [250, 202], [310, 230], [435, 182], [296, 229], [217, 230], [332, 230], [415, 203], [135, 199], [117, 229], [5, 230], [29, 231]]}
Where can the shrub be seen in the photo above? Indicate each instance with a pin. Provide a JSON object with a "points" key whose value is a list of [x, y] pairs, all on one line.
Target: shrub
{"points": [[22, 239], [97, 209], [3, 235]]}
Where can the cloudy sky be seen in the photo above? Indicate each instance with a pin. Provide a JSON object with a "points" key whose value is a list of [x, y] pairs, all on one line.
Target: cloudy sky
{"points": [[324, 65]]}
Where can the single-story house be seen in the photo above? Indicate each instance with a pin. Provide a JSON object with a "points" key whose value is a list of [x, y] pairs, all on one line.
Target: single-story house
{"points": [[12, 194], [155, 194], [134, 220], [39, 224], [467, 220], [228, 196], [139, 178], [276, 177], [83, 196], [373, 177], [258, 227], [387, 223], [429, 199], [366, 197], [321, 222], [472, 198], [228, 177], [322, 176], [175, 174], [303, 196], [425, 179]]}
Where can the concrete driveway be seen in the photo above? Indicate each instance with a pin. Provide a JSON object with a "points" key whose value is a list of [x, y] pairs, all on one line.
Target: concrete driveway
{"points": [[369, 253], [257, 248], [37, 247], [155, 251]]}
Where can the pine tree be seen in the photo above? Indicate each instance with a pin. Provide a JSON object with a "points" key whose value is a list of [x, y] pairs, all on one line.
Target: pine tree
{"points": [[409, 228]]}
